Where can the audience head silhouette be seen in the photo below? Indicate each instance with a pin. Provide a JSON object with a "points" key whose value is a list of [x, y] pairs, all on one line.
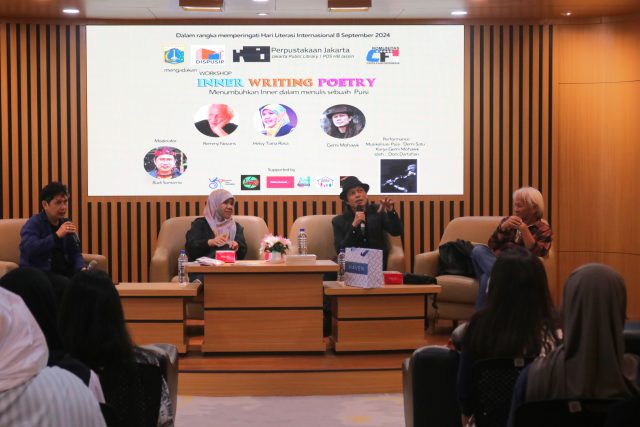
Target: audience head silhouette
{"points": [[591, 362], [35, 289], [92, 322], [519, 306]]}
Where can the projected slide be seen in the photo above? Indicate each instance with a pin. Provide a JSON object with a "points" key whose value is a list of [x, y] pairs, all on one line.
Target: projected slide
{"points": [[274, 110]]}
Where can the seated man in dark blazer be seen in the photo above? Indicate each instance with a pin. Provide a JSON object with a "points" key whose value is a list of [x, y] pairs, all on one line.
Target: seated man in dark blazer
{"points": [[362, 224], [48, 240]]}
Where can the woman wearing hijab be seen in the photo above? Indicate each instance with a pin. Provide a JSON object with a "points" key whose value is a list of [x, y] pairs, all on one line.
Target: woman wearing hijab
{"points": [[31, 394], [275, 120], [35, 289], [591, 363], [216, 230]]}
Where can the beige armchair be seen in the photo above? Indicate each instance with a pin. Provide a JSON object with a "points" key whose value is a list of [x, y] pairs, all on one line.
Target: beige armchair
{"points": [[320, 240], [458, 297], [10, 247], [172, 238]]}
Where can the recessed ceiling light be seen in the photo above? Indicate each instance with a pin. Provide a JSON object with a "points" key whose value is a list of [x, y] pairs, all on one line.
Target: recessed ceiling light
{"points": [[260, 1], [566, 13], [262, 14], [201, 5], [459, 12], [348, 5], [71, 11]]}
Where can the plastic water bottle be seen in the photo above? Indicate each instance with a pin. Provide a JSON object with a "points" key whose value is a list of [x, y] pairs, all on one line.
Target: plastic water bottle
{"points": [[302, 242], [341, 265], [182, 265]]}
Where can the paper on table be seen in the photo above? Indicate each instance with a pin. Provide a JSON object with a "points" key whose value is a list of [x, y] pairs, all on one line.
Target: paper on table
{"points": [[203, 260]]}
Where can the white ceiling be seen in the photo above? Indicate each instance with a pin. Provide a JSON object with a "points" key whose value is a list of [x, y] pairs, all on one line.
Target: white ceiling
{"points": [[166, 10]]}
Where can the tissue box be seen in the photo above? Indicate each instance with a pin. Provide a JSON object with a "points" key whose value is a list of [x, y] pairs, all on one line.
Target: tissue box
{"points": [[392, 277], [300, 259], [226, 256]]}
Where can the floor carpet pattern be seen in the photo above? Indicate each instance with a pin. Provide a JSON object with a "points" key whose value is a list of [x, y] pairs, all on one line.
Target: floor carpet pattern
{"points": [[374, 410]]}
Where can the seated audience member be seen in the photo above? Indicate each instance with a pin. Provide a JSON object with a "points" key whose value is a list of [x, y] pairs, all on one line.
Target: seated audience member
{"points": [[49, 240], [526, 228], [37, 293], [218, 121], [591, 363], [518, 321], [31, 394], [93, 330], [216, 230], [362, 224]]}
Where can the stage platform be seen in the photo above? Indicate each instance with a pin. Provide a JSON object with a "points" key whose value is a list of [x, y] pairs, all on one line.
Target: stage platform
{"points": [[294, 374]]}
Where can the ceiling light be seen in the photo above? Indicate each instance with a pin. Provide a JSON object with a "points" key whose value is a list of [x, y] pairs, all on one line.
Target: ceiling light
{"points": [[70, 11], [459, 12], [566, 13], [262, 14], [260, 1], [348, 5], [202, 5]]}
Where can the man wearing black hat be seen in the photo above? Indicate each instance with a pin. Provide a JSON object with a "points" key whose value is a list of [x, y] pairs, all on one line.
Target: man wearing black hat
{"points": [[362, 224], [341, 122]]}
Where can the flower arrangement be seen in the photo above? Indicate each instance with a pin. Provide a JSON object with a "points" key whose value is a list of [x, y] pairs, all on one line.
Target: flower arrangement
{"points": [[271, 243]]}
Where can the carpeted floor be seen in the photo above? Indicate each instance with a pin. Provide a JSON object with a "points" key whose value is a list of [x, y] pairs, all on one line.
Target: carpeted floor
{"points": [[376, 410]]}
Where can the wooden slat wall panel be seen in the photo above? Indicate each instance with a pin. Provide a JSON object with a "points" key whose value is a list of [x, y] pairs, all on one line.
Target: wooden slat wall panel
{"points": [[44, 129], [598, 99]]}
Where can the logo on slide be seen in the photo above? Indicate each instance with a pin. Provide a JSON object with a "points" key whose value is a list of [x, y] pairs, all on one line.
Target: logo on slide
{"points": [[304, 181], [217, 182], [279, 182], [325, 182], [383, 55], [210, 54], [252, 54], [250, 182], [174, 54]]}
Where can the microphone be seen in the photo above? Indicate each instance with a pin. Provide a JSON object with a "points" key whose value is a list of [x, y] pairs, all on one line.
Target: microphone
{"points": [[74, 235], [362, 224], [92, 265], [76, 239]]}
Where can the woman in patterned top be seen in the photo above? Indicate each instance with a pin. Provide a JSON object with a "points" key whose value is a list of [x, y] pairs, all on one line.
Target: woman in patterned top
{"points": [[526, 229]]}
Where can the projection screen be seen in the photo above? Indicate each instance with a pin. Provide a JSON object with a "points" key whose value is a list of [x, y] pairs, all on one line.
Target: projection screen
{"points": [[274, 110]]}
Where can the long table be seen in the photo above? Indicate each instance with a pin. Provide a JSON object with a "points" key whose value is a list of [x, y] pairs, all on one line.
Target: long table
{"points": [[255, 306]]}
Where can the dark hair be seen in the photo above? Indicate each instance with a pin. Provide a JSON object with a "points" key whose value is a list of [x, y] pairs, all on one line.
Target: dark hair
{"points": [[51, 190], [91, 322], [519, 319], [35, 289]]}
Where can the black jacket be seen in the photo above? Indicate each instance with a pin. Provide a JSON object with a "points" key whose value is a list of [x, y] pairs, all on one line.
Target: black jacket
{"points": [[200, 233], [346, 236]]}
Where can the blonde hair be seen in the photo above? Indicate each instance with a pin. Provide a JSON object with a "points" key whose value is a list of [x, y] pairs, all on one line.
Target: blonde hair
{"points": [[532, 197]]}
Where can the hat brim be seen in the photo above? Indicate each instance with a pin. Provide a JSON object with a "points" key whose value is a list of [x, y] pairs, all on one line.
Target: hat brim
{"points": [[343, 194], [350, 113]]}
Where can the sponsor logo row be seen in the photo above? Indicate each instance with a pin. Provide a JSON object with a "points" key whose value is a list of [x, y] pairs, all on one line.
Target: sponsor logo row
{"points": [[216, 54], [256, 182]]}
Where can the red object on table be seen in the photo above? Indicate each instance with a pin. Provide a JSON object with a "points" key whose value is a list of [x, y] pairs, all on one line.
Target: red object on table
{"points": [[392, 278], [226, 256]]}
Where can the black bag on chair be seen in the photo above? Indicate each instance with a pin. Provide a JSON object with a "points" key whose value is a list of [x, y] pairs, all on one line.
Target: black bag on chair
{"points": [[455, 258]]}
